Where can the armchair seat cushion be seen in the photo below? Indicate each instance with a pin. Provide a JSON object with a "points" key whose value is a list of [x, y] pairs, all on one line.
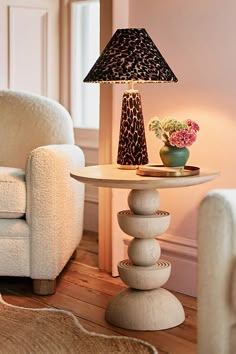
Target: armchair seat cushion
{"points": [[12, 193]]}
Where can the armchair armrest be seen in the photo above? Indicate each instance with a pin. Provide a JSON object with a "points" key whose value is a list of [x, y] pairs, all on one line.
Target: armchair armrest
{"points": [[217, 254], [55, 206]]}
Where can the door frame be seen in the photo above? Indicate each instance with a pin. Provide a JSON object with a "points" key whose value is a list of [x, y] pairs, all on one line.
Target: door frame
{"points": [[111, 17]]}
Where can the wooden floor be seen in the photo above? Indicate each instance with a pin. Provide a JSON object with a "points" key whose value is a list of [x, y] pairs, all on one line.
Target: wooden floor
{"points": [[85, 291]]}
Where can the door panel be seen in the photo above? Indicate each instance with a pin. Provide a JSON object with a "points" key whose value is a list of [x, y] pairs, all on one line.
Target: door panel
{"points": [[29, 46]]}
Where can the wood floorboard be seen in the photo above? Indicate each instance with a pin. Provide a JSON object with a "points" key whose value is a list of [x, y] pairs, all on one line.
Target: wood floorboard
{"points": [[85, 291]]}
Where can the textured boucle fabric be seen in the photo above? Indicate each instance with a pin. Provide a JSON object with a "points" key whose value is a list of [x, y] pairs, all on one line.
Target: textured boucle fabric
{"points": [[12, 193], [217, 272], [13, 229], [55, 206], [28, 121], [14, 246]]}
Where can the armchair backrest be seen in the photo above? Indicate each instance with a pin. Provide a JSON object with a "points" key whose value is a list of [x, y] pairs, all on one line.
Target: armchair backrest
{"points": [[28, 121]]}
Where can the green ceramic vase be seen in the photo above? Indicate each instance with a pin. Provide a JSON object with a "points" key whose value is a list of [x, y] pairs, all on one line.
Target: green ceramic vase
{"points": [[173, 156]]}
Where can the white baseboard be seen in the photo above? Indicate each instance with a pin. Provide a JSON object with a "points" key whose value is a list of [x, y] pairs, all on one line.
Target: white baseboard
{"points": [[91, 216], [181, 252], [87, 139]]}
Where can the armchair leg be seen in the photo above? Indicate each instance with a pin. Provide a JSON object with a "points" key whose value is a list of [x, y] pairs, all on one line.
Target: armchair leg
{"points": [[73, 256], [44, 286]]}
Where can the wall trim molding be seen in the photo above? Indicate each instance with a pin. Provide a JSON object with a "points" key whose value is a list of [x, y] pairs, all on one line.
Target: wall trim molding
{"points": [[90, 216], [91, 198], [181, 252], [176, 245], [87, 138]]}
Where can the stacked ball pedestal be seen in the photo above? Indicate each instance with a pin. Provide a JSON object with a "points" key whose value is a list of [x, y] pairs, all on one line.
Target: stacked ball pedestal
{"points": [[144, 305]]}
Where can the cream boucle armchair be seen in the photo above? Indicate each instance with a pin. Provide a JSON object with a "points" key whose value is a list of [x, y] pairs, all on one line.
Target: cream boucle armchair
{"points": [[217, 273], [41, 207]]}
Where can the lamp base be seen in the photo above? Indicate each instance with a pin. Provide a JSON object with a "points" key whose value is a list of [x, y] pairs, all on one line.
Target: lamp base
{"points": [[132, 150], [128, 167]]}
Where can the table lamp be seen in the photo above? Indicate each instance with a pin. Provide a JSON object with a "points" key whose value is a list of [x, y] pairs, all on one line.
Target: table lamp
{"points": [[131, 57]]}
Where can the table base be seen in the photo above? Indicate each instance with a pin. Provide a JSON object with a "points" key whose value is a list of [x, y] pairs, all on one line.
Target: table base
{"points": [[146, 310]]}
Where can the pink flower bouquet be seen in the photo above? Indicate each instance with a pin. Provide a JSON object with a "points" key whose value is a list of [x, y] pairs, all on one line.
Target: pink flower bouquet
{"points": [[174, 132]]}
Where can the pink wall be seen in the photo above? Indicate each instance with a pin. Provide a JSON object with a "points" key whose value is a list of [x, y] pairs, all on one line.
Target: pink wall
{"points": [[197, 39]]}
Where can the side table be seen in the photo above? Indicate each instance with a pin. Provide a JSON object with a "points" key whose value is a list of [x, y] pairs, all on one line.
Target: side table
{"points": [[144, 305]]}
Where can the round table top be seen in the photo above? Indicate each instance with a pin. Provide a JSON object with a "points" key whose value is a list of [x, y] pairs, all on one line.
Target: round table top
{"points": [[112, 177]]}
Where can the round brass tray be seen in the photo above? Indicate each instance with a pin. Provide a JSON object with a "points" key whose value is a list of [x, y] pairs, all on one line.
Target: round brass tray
{"points": [[163, 171]]}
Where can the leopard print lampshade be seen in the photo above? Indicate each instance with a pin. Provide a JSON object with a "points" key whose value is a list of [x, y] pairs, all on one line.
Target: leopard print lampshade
{"points": [[129, 56]]}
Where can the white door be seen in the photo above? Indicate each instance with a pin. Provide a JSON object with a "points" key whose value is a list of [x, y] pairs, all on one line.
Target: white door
{"points": [[29, 46]]}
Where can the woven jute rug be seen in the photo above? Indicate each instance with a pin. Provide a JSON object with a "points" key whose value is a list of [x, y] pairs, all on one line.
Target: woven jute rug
{"points": [[50, 331]]}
